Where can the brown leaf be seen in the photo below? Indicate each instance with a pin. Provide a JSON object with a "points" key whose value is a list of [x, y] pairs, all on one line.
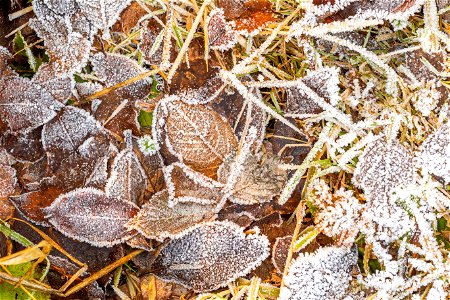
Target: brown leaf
{"points": [[7, 187], [221, 34], [129, 18], [187, 185], [30, 108], [58, 85], [260, 180], [151, 51], [88, 215], [25, 146], [193, 134], [280, 252], [156, 220]]}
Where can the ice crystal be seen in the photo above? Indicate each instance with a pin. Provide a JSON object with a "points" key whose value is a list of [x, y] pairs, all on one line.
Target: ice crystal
{"points": [[112, 69], [194, 134], [147, 145], [156, 220], [26, 110], [128, 180], [324, 274], [435, 153], [88, 215], [259, 181], [221, 34], [383, 166], [210, 255]]}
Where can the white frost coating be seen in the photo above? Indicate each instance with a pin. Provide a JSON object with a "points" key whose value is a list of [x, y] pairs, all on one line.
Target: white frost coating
{"points": [[325, 274], [221, 34], [434, 157], [88, 215], [211, 255], [147, 145]]}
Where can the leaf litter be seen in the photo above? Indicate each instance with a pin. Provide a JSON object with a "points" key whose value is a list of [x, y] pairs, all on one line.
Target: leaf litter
{"points": [[207, 134]]}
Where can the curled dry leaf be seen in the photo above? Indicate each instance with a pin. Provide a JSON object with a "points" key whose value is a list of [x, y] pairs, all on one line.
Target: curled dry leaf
{"points": [[324, 82], [260, 180], [221, 34], [128, 180], [187, 185], [210, 255], [383, 166], [193, 134], [90, 216], [31, 107], [156, 220], [322, 275]]}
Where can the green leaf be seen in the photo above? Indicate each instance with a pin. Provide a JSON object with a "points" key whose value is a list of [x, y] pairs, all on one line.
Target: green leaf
{"points": [[21, 47], [145, 119], [8, 292]]}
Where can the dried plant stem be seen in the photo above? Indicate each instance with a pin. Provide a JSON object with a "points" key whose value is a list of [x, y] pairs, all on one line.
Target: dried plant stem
{"points": [[20, 13]]}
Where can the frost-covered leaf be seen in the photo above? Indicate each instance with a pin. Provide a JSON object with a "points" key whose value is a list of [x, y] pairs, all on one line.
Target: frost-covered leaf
{"points": [[7, 181], [187, 185], [24, 146], [88, 215], [384, 165], [5, 69], [25, 105], [260, 180], [280, 252], [66, 32], [128, 180], [435, 153], [151, 44], [156, 220], [64, 135], [58, 85], [221, 34], [193, 134], [210, 255], [140, 242], [102, 13], [112, 69], [324, 82], [322, 275]]}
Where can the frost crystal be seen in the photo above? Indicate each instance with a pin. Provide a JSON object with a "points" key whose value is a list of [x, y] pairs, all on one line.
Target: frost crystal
{"points": [[221, 34], [156, 220], [88, 215], [322, 275], [128, 180], [384, 165], [147, 145], [435, 153], [210, 255], [26, 110]]}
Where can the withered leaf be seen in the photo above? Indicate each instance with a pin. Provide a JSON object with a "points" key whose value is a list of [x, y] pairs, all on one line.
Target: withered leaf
{"points": [[187, 185], [280, 252], [221, 34], [24, 146], [26, 110], [102, 13], [128, 180], [88, 215], [64, 135], [324, 82], [151, 44], [260, 180], [58, 85], [156, 220], [194, 134], [210, 255], [5, 69], [8, 181]]}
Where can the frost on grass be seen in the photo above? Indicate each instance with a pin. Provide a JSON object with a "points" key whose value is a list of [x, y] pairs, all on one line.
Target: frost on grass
{"points": [[128, 180], [194, 134], [187, 185], [88, 215], [210, 255], [260, 180], [325, 274], [434, 157], [324, 82], [384, 165], [156, 220], [221, 34], [112, 69], [25, 105], [64, 135]]}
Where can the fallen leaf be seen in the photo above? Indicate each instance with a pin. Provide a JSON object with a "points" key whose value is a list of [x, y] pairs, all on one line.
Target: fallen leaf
{"points": [[8, 181], [210, 255], [194, 134], [156, 220], [88, 215], [60, 86], [24, 146], [221, 34]]}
